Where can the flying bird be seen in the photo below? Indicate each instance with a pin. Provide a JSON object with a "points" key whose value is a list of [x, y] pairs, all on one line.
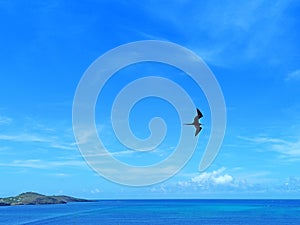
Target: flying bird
{"points": [[196, 122]]}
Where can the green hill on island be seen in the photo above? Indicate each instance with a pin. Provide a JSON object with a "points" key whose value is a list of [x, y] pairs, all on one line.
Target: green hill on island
{"points": [[32, 198]]}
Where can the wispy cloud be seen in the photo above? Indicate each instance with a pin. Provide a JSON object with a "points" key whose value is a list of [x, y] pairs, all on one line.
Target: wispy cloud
{"points": [[62, 175], [263, 139], [95, 191], [65, 146], [3, 148], [246, 29], [23, 138], [287, 148], [30, 163], [4, 120], [116, 153], [290, 149], [295, 75], [44, 139], [42, 164]]}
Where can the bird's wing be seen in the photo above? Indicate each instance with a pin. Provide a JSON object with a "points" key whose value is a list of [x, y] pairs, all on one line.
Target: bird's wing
{"points": [[198, 129], [196, 120], [200, 115]]}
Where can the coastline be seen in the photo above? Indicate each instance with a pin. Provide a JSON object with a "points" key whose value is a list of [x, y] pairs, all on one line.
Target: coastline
{"points": [[32, 198]]}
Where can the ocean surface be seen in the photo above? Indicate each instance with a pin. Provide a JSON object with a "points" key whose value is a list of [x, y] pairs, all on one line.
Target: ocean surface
{"points": [[265, 212]]}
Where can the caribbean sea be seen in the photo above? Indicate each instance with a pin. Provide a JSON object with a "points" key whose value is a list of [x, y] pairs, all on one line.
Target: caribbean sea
{"points": [[125, 212]]}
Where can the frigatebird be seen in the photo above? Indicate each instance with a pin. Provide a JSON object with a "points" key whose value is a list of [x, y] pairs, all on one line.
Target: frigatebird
{"points": [[196, 122]]}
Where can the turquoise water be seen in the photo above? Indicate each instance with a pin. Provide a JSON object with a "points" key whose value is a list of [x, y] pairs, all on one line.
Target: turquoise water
{"points": [[164, 212]]}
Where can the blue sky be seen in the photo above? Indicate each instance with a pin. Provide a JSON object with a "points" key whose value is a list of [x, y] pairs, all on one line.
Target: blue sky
{"points": [[251, 47]]}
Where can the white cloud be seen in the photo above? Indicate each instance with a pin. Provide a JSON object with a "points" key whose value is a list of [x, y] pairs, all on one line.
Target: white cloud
{"points": [[213, 178], [225, 179], [220, 181], [161, 188], [184, 184], [292, 184]]}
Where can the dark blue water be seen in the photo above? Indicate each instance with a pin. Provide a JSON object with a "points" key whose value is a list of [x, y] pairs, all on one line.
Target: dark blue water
{"points": [[164, 212]]}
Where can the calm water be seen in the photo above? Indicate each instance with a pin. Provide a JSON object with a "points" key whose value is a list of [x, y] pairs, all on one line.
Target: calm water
{"points": [[164, 212]]}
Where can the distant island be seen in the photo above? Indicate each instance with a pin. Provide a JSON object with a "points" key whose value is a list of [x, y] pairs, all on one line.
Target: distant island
{"points": [[32, 198]]}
